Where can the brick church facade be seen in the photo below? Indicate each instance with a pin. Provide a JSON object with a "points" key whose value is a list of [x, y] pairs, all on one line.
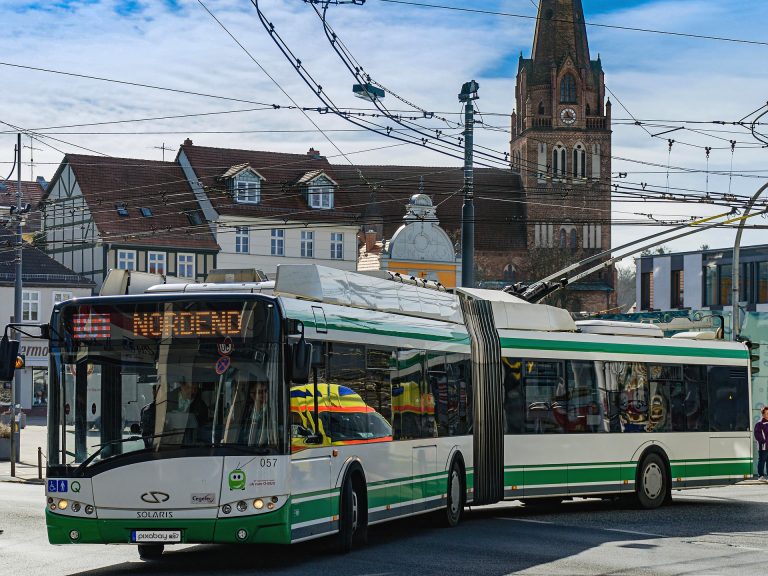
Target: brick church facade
{"points": [[561, 147]]}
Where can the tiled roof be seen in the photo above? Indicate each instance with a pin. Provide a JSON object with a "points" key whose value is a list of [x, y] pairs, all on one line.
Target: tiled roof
{"points": [[499, 206], [499, 210], [281, 195], [31, 193], [134, 183], [38, 269]]}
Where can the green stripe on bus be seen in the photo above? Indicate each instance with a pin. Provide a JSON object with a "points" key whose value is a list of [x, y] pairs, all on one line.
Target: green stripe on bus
{"points": [[605, 347]]}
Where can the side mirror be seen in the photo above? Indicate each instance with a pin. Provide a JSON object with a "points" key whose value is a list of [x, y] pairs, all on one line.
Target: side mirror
{"points": [[300, 361], [9, 352]]}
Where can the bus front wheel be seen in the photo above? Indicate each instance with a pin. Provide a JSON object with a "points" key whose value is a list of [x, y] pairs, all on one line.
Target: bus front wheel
{"points": [[150, 551], [652, 483], [353, 524]]}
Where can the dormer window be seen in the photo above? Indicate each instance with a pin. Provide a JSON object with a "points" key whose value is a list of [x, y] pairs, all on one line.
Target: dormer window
{"points": [[320, 197], [247, 189]]}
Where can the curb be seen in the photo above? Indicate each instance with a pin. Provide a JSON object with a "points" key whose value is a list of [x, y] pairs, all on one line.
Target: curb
{"points": [[17, 480]]}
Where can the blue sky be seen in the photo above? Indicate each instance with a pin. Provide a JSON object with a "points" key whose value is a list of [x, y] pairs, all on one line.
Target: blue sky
{"points": [[424, 55]]}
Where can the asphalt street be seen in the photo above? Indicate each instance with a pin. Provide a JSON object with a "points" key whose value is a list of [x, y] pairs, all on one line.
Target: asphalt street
{"points": [[704, 532]]}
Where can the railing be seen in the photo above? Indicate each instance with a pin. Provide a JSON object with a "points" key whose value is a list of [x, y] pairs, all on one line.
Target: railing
{"points": [[542, 122], [596, 122]]}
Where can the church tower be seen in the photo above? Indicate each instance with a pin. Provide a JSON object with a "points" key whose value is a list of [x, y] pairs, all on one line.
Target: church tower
{"points": [[561, 137]]}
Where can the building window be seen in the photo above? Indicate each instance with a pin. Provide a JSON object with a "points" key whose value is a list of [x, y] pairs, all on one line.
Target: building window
{"points": [[568, 89], [242, 239], [543, 235], [646, 291], [156, 263], [710, 285], [59, 297], [248, 191], [574, 239], [39, 387], [725, 284], [509, 273], [145, 211], [337, 246], [320, 197], [277, 245], [592, 236], [30, 306], [558, 161], [541, 108], [121, 209], [563, 238], [579, 161], [185, 265], [677, 299], [126, 259], [762, 282], [307, 244]]}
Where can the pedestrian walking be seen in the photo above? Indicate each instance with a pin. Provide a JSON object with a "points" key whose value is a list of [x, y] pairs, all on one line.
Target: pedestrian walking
{"points": [[761, 435]]}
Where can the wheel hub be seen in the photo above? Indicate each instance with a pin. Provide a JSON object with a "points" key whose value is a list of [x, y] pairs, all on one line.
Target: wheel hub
{"points": [[455, 494], [653, 481]]}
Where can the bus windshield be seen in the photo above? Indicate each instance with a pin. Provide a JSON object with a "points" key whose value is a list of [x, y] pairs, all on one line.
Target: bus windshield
{"points": [[147, 376]]}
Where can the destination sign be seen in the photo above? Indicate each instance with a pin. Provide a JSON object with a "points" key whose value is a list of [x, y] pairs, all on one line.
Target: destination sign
{"points": [[187, 323]]}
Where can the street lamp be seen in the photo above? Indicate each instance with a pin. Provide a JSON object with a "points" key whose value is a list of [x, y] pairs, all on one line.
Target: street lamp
{"points": [[735, 330]]}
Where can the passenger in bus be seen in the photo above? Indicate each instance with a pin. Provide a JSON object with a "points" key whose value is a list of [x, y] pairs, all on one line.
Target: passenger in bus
{"points": [[186, 398], [254, 425]]}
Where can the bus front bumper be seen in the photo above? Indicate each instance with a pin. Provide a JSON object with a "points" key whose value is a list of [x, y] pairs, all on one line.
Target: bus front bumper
{"points": [[268, 528]]}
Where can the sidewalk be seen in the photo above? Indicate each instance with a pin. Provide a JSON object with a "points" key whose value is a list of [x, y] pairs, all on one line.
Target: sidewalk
{"points": [[32, 436]]}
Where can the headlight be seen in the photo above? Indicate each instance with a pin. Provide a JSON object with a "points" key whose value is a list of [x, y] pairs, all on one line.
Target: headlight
{"points": [[226, 508], [258, 503], [89, 509], [76, 508], [63, 504], [242, 506]]}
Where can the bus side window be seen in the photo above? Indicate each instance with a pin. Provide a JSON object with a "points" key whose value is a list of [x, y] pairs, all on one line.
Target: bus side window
{"points": [[728, 398], [695, 402]]}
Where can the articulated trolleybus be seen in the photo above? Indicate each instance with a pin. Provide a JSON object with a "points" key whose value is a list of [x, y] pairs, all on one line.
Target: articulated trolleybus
{"points": [[340, 400]]}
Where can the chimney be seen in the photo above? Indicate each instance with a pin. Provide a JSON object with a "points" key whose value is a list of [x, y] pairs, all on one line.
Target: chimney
{"points": [[370, 240], [42, 183], [188, 142], [314, 154]]}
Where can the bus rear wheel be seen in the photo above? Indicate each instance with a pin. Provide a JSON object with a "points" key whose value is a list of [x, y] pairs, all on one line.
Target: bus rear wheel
{"points": [[456, 495], [150, 551], [652, 485]]}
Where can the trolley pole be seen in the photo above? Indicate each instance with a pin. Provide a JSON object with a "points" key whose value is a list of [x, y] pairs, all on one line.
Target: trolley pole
{"points": [[17, 299], [467, 96]]}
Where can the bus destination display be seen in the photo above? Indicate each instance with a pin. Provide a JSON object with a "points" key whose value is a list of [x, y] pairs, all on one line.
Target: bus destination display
{"points": [[173, 324]]}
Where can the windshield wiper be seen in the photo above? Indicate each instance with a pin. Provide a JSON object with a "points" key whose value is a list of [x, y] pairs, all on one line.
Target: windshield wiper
{"points": [[101, 447]]}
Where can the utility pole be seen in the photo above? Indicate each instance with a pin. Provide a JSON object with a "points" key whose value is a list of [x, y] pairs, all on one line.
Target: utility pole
{"points": [[468, 95], [735, 271], [17, 299]]}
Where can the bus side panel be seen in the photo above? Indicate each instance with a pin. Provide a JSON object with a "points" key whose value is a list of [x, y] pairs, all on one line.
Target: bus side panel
{"points": [[314, 500], [730, 458]]}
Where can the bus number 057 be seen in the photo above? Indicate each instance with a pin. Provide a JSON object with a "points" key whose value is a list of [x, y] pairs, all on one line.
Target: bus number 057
{"points": [[268, 462]]}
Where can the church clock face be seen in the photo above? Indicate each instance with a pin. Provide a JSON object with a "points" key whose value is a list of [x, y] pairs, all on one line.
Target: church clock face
{"points": [[568, 116]]}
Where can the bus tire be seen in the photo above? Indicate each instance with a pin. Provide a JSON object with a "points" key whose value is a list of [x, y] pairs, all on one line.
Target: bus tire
{"points": [[353, 517], [150, 551], [652, 484], [456, 494]]}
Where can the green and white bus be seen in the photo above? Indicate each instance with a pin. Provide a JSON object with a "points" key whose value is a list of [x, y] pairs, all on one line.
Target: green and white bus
{"points": [[340, 400]]}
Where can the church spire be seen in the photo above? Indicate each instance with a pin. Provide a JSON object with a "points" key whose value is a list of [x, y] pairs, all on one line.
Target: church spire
{"points": [[560, 31]]}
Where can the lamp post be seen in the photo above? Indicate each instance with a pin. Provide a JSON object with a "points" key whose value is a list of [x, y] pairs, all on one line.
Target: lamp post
{"points": [[467, 96], [735, 270]]}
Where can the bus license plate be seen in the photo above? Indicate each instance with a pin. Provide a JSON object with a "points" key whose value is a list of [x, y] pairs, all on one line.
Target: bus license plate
{"points": [[155, 536]]}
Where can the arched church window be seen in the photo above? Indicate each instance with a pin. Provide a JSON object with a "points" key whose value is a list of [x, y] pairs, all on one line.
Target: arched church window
{"points": [[509, 273], [563, 236], [579, 161], [558, 161], [574, 239], [568, 89], [588, 110], [541, 108]]}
